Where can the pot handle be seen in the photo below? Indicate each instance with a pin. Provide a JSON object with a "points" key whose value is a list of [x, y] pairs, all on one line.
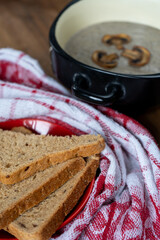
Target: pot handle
{"points": [[114, 91]]}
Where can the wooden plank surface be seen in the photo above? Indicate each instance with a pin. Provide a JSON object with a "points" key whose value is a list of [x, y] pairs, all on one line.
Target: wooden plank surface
{"points": [[24, 25]]}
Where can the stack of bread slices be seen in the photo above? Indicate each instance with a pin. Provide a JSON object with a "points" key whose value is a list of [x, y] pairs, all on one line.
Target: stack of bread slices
{"points": [[42, 178]]}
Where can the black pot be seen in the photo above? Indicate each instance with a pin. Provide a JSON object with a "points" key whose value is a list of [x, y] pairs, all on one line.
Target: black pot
{"points": [[124, 92]]}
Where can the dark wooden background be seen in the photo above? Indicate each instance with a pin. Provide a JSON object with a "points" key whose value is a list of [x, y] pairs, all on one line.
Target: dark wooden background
{"points": [[24, 25]]}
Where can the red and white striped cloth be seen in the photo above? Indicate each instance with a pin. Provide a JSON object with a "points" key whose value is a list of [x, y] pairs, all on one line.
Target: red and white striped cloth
{"points": [[125, 202]]}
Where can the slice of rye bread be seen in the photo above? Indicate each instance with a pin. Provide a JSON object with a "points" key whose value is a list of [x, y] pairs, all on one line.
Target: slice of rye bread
{"points": [[21, 155], [41, 221], [19, 197], [22, 129]]}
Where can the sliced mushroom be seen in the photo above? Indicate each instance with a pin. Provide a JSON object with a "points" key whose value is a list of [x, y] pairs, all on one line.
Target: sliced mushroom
{"points": [[138, 56], [117, 39], [103, 60]]}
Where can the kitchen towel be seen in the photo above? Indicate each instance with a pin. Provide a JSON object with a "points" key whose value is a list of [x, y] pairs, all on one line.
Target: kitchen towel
{"points": [[125, 201]]}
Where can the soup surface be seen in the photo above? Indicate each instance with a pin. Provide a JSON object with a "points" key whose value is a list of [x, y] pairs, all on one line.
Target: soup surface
{"points": [[82, 45]]}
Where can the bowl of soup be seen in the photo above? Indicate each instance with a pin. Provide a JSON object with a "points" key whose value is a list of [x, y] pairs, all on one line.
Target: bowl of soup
{"points": [[108, 52]]}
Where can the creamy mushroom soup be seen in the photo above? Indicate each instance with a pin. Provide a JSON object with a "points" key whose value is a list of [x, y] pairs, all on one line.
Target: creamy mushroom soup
{"points": [[82, 45]]}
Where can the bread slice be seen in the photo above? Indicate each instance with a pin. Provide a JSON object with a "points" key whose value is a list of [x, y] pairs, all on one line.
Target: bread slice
{"points": [[22, 129], [24, 154], [41, 221], [17, 198]]}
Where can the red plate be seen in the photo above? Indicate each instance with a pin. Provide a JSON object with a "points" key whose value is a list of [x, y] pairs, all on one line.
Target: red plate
{"points": [[52, 128]]}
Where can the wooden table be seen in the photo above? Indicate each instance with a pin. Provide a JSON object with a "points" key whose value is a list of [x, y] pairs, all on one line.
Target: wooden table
{"points": [[24, 25]]}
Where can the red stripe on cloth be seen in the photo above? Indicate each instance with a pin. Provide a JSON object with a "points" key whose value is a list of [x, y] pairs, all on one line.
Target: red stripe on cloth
{"points": [[109, 234], [20, 56], [13, 108], [15, 75]]}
